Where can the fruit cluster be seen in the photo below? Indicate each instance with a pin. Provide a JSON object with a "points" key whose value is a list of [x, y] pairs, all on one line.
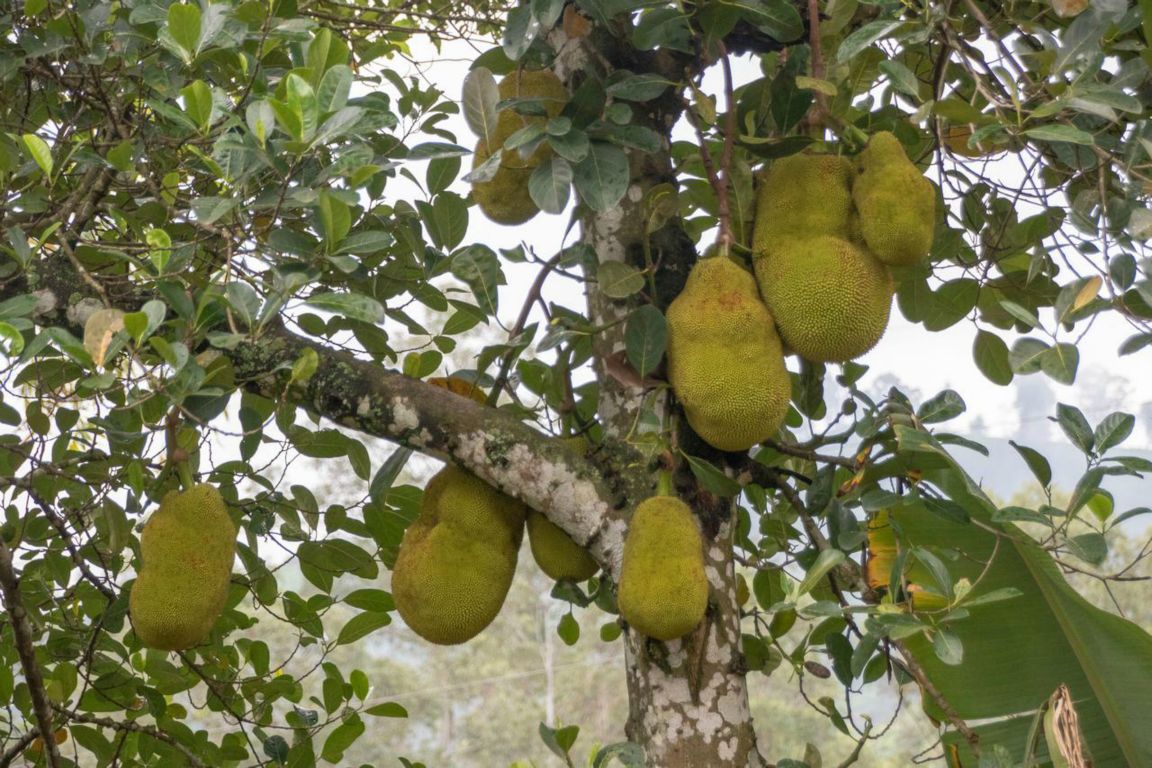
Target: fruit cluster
{"points": [[827, 230]]}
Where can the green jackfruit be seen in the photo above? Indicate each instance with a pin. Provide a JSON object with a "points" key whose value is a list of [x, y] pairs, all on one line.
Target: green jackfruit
{"points": [[505, 197], [457, 558], [830, 298], [896, 204], [663, 588], [541, 86], [555, 551], [804, 196], [187, 546], [725, 362]]}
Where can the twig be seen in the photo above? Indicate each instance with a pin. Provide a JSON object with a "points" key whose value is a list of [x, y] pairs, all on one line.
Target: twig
{"points": [[521, 321], [129, 726], [18, 747], [22, 630], [926, 685]]}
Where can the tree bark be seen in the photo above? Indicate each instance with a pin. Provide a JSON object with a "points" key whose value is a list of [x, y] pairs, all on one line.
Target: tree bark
{"points": [[688, 698]]}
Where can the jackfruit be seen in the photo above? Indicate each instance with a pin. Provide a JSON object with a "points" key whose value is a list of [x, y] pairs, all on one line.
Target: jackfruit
{"points": [[505, 197], [540, 85], [556, 553], [457, 558], [804, 195], [896, 204], [830, 298], [663, 588], [725, 362], [187, 546]]}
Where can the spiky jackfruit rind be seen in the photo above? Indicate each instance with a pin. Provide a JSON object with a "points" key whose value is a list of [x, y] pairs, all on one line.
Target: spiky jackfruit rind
{"points": [[805, 195], [556, 553], [457, 558], [188, 546], [830, 298], [663, 591], [725, 362], [540, 85], [505, 198], [895, 203]]}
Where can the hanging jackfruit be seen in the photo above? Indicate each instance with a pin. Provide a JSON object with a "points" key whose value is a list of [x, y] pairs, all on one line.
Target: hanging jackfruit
{"points": [[539, 85], [725, 362], [556, 553], [663, 590], [187, 546], [505, 198], [895, 203], [830, 298], [457, 558], [804, 196]]}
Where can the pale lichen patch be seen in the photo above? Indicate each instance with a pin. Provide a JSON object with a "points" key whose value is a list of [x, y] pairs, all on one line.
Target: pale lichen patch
{"points": [[404, 416], [364, 406]]}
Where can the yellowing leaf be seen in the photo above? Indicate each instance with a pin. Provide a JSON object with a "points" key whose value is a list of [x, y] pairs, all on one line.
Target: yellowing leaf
{"points": [[99, 329]]}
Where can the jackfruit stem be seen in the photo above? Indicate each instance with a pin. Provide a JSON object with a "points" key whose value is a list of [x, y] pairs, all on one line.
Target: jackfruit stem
{"points": [[184, 471], [664, 484]]}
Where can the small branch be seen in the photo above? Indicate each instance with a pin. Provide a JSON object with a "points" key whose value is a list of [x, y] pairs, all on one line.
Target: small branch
{"points": [[25, 647], [18, 747], [788, 449], [926, 685], [129, 726], [532, 297]]}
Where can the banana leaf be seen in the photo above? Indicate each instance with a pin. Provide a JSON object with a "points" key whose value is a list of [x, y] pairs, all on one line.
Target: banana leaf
{"points": [[1017, 652]]}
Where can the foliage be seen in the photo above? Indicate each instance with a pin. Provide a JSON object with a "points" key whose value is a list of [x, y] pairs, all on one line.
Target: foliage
{"points": [[281, 218]]}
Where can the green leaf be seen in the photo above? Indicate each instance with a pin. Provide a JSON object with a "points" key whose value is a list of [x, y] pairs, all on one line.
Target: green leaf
{"points": [[568, 629], [618, 280], [1105, 660], [1061, 133], [341, 738], [1075, 426], [374, 600], [1027, 355], [712, 479], [360, 626], [1060, 362], [1036, 462], [184, 29], [520, 31], [991, 356], [1112, 430], [779, 19], [630, 87], [559, 740], [479, 99], [901, 77], [863, 37], [333, 91], [351, 305], [601, 178], [387, 709], [39, 150], [825, 562], [662, 28], [948, 648], [198, 103], [645, 338], [550, 184], [944, 406]]}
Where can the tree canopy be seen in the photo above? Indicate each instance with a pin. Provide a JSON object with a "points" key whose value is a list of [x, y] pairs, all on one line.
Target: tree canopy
{"points": [[234, 234]]}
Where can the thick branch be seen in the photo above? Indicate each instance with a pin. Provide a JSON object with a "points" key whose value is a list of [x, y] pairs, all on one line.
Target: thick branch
{"points": [[25, 647], [362, 395]]}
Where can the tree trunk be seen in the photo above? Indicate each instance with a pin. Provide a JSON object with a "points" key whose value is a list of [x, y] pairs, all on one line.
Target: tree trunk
{"points": [[688, 698], [688, 701]]}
